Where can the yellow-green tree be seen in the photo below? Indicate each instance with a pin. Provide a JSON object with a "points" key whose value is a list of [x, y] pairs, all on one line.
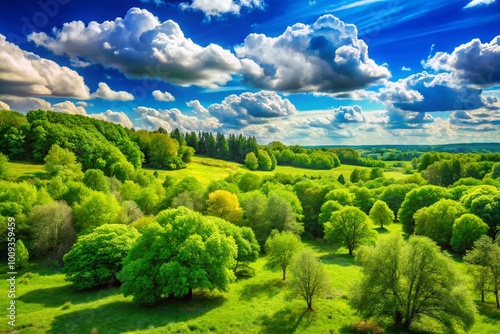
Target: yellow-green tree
{"points": [[225, 205]]}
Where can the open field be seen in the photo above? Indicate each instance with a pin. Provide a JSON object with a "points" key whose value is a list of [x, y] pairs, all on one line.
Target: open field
{"points": [[257, 303]]}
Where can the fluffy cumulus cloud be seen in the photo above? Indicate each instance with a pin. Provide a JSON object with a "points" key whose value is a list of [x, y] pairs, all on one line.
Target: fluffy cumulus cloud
{"points": [[163, 96], [69, 107], [479, 3], [251, 108], [24, 73], [4, 106], [25, 104], [217, 8], [106, 93], [426, 92], [117, 117], [169, 119], [326, 56], [473, 63], [140, 46]]}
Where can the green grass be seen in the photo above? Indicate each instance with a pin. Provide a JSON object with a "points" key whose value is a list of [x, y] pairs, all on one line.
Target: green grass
{"points": [[256, 303], [208, 169], [25, 170]]}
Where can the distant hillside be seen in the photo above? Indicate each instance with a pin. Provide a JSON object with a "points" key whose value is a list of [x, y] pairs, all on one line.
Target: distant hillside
{"points": [[451, 148]]}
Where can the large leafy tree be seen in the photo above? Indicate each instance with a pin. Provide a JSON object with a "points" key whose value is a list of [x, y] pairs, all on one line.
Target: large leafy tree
{"points": [[417, 199], [381, 214], [309, 279], [436, 221], [60, 161], [178, 253], [466, 230], [97, 257], [281, 248], [349, 227], [486, 256], [412, 281], [225, 205], [94, 210]]}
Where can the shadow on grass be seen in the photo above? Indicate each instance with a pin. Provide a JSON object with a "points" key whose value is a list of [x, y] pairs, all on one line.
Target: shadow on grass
{"points": [[58, 296], [244, 272], [268, 289], [489, 311], [381, 230], [287, 320], [33, 175], [343, 260], [126, 316]]}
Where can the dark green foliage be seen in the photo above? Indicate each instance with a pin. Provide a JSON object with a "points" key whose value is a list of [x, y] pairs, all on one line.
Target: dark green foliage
{"points": [[97, 257], [376, 172], [96, 180], [404, 282], [249, 182], [22, 254], [495, 171], [417, 199], [178, 253], [4, 167]]}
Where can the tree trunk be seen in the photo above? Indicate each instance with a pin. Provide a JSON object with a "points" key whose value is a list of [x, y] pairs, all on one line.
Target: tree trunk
{"points": [[309, 305], [398, 320], [482, 296], [496, 297], [236, 267], [284, 274], [350, 250], [189, 295]]}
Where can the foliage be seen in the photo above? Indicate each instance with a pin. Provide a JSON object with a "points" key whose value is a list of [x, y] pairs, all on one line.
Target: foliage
{"points": [[380, 214], [436, 221], [466, 230], [251, 161], [97, 257], [326, 211], [96, 180], [349, 227], [60, 161], [411, 281], [280, 249], [95, 210], [486, 254], [4, 165], [224, 204], [249, 182], [182, 251], [343, 196], [22, 254], [52, 230], [416, 199], [309, 279], [394, 195]]}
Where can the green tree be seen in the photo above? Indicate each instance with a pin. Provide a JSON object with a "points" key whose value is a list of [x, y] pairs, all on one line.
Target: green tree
{"points": [[95, 210], [466, 230], [376, 172], [60, 161], [251, 161], [248, 248], [341, 179], [355, 176], [254, 204], [326, 211], [394, 195], [96, 180], [436, 221], [486, 254], [22, 254], [495, 171], [181, 251], [411, 281], [280, 214], [249, 181], [52, 230], [349, 227], [280, 249], [4, 165], [417, 199], [265, 162], [97, 257], [309, 279], [225, 205], [381, 214], [343, 196]]}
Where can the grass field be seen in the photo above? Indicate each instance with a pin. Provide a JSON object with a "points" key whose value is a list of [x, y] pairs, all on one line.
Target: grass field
{"points": [[257, 303]]}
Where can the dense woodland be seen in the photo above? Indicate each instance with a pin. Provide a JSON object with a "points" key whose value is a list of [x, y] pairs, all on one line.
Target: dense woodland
{"points": [[100, 213]]}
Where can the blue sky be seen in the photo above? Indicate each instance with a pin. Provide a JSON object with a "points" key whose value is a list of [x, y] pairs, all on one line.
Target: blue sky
{"points": [[307, 72]]}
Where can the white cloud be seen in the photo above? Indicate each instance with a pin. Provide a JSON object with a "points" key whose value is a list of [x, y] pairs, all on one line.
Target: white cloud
{"points": [[479, 3], [25, 104], [217, 8], [4, 106], [326, 56], [118, 117], [24, 73], [106, 93], [140, 46], [169, 119], [404, 68], [251, 108], [473, 63], [197, 107], [69, 107], [163, 96]]}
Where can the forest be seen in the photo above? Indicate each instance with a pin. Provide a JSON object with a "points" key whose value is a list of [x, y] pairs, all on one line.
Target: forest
{"points": [[154, 232]]}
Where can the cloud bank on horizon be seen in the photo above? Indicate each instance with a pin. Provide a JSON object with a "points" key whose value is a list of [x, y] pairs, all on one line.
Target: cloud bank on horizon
{"points": [[227, 66]]}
